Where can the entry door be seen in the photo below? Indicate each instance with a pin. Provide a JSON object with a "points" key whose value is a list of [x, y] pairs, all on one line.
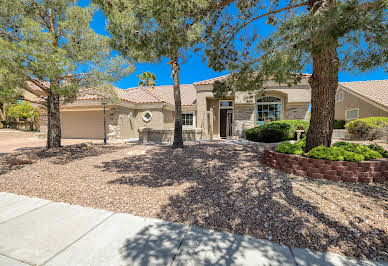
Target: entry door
{"points": [[226, 119]]}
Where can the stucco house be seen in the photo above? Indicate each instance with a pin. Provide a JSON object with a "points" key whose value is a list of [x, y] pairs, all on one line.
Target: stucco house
{"points": [[360, 99], [147, 113]]}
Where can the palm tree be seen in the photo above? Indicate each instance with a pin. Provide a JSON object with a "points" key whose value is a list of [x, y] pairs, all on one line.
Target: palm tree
{"points": [[147, 79]]}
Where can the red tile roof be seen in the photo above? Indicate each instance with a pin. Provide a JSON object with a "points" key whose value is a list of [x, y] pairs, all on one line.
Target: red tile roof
{"points": [[225, 77], [160, 94], [166, 93], [374, 90]]}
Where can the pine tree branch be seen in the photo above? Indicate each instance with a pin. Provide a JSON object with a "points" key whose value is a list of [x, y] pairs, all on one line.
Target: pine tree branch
{"points": [[270, 13], [38, 84]]}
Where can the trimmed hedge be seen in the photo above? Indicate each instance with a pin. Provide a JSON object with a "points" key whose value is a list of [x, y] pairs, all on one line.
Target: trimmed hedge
{"points": [[276, 131], [370, 128], [334, 154], [368, 154], [339, 124]]}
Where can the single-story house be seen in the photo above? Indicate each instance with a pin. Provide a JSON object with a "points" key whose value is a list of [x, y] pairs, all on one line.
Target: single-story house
{"points": [[360, 99], [148, 113]]}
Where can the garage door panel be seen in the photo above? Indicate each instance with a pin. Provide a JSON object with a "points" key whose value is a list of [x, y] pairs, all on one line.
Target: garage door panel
{"points": [[82, 124]]}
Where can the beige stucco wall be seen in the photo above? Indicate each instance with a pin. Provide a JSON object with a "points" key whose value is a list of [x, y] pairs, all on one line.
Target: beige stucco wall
{"points": [[351, 102]]}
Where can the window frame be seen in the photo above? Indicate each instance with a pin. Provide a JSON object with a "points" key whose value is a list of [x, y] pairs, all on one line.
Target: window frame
{"points": [[342, 96], [281, 102], [190, 113], [349, 110]]}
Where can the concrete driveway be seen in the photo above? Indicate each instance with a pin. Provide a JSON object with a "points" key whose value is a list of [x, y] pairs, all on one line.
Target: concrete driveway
{"points": [[35, 231], [12, 140]]}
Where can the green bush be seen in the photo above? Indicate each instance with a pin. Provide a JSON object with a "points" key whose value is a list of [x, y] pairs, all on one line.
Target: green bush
{"points": [[339, 124], [379, 149], [276, 131], [287, 147], [22, 111], [334, 154], [368, 153], [368, 128]]}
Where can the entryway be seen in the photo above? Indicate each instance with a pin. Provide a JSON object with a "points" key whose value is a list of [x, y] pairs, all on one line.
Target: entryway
{"points": [[226, 119]]}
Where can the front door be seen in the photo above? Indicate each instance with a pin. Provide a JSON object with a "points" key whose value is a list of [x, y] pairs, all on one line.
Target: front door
{"points": [[226, 120]]}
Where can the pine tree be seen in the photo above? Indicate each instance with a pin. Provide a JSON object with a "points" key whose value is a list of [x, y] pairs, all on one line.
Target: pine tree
{"points": [[49, 43], [329, 35], [149, 30]]}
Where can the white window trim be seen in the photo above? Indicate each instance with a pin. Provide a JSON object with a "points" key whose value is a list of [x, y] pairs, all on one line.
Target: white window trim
{"points": [[342, 98], [219, 113], [194, 120], [261, 103], [145, 119], [348, 110]]}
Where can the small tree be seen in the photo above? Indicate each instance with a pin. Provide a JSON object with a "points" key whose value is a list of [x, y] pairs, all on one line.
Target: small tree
{"points": [[329, 35], [147, 79], [148, 31], [49, 44]]}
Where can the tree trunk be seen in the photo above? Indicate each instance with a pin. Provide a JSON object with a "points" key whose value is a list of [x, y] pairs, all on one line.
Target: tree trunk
{"points": [[324, 83], [178, 141], [54, 122]]}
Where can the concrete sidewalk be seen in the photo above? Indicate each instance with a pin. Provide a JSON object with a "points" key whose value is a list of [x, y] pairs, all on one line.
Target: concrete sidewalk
{"points": [[40, 232]]}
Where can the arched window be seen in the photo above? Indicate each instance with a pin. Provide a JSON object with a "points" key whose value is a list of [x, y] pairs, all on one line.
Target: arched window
{"points": [[268, 108]]}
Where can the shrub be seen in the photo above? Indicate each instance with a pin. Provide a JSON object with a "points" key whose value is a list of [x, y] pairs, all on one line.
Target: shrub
{"points": [[276, 131], [339, 124], [370, 128], [379, 149], [334, 154], [22, 111], [368, 153], [287, 147]]}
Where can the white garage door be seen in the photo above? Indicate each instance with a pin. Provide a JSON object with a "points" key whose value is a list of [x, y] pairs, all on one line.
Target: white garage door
{"points": [[82, 124]]}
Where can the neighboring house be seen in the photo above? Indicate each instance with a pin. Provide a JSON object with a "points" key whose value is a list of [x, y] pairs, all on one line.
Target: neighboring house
{"points": [[360, 99]]}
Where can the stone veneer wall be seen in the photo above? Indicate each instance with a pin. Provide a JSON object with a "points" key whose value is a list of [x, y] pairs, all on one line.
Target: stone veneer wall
{"points": [[167, 135], [244, 116], [366, 172], [297, 112]]}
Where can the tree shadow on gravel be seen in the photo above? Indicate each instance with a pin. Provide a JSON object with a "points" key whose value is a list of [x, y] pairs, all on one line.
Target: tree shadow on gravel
{"points": [[60, 156], [232, 191]]}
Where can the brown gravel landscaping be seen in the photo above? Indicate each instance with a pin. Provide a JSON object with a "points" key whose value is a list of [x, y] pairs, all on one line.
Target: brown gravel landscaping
{"points": [[217, 186]]}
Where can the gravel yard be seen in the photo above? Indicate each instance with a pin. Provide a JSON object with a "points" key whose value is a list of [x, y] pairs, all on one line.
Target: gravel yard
{"points": [[218, 186]]}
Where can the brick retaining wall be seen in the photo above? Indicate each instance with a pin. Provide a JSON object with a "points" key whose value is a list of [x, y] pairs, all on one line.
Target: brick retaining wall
{"points": [[366, 171]]}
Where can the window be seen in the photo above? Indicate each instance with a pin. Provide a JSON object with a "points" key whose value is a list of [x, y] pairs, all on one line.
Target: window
{"points": [[188, 119], [352, 114], [226, 103], [339, 96], [268, 108], [147, 115]]}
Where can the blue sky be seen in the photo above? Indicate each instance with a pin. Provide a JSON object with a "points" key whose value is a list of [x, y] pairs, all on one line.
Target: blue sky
{"points": [[195, 69]]}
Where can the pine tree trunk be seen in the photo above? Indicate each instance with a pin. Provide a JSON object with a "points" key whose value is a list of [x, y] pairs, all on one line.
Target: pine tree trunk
{"points": [[54, 122], [178, 140], [324, 83]]}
